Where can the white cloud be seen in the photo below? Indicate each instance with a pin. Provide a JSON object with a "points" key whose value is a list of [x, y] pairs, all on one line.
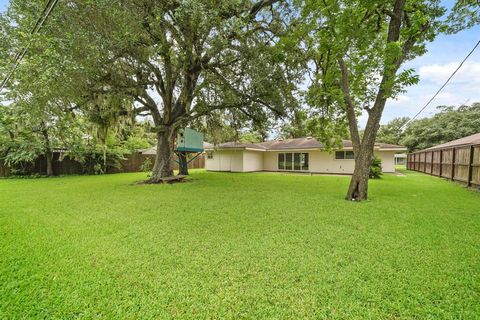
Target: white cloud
{"points": [[468, 74], [464, 88], [400, 100]]}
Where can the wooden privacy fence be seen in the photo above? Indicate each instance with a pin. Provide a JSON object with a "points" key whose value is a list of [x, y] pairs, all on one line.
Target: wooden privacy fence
{"points": [[460, 163], [135, 162]]}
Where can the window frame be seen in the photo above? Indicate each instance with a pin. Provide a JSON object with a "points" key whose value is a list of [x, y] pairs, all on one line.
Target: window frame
{"points": [[209, 155], [281, 161], [344, 152]]}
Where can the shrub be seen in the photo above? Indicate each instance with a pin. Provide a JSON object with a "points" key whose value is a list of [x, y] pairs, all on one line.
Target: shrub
{"points": [[147, 165], [376, 168]]}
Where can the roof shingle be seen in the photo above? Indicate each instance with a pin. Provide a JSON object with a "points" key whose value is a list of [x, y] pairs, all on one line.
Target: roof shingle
{"points": [[473, 139], [298, 143]]}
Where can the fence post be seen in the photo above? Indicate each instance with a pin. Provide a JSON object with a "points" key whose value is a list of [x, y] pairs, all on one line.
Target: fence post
{"points": [[470, 166], [452, 176], [441, 162], [431, 163], [425, 162]]}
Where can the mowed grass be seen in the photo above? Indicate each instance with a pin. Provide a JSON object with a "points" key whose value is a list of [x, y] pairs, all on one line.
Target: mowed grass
{"points": [[238, 246]]}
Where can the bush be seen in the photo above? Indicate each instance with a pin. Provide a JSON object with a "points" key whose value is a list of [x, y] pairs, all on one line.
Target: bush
{"points": [[376, 169], [147, 165]]}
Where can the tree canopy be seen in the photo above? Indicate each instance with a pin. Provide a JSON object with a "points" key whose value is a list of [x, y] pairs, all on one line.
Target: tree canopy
{"points": [[449, 123], [177, 60]]}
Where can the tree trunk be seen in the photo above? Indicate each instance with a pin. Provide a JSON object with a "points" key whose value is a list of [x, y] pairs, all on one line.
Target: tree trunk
{"points": [[358, 189], [49, 159], [104, 158], [48, 151], [163, 160], [182, 164]]}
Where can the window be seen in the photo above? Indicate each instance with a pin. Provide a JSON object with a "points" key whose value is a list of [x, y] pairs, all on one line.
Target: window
{"points": [[293, 161], [281, 161], [304, 161], [344, 155], [209, 155], [296, 161], [288, 161]]}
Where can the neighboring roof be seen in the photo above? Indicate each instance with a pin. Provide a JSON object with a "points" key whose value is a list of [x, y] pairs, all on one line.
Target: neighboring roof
{"points": [[390, 146], [473, 139], [238, 145], [153, 150], [150, 151], [299, 143]]}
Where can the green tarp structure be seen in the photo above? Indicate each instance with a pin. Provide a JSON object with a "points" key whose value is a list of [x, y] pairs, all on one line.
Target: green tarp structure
{"points": [[189, 140]]}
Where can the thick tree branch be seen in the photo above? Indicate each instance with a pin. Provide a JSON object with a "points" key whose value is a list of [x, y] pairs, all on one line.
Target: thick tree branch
{"points": [[349, 105]]}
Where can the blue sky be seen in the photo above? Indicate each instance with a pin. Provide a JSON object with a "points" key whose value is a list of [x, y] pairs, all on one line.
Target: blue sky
{"points": [[443, 56]]}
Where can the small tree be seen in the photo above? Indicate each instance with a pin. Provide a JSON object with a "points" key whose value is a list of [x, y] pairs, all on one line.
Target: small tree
{"points": [[357, 50]]}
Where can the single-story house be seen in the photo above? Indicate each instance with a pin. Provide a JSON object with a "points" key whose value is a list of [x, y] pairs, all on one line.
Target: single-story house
{"points": [[298, 155]]}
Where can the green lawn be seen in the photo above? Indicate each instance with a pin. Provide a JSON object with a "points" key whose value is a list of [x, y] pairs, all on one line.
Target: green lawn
{"points": [[235, 246]]}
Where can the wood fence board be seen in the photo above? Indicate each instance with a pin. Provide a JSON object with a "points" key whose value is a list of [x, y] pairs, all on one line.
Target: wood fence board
{"points": [[66, 166], [456, 163]]}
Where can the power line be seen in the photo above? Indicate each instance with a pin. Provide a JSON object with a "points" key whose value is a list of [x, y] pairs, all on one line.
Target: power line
{"points": [[38, 25], [443, 86]]}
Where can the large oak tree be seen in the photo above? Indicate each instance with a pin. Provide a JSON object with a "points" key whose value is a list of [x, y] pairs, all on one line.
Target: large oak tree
{"points": [[178, 60]]}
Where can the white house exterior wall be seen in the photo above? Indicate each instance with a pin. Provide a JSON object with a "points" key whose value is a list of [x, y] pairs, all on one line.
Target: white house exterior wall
{"points": [[388, 160], [226, 160], [319, 161], [253, 161]]}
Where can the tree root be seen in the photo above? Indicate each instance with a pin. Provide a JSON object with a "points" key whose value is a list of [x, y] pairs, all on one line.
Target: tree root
{"points": [[166, 180]]}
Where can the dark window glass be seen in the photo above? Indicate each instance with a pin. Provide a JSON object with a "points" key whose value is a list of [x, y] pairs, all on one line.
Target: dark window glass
{"points": [[281, 161], [349, 155], [288, 161], [304, 161], [209, 155], [296, 161], [339, 155]]}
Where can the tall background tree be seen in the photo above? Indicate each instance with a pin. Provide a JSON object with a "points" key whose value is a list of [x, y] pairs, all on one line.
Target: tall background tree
{"points": [[393, 132], [448, 123]]}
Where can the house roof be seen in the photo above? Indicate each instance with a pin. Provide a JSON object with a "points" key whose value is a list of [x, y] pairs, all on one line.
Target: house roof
{"points": [[473, 139], [297, 144]]}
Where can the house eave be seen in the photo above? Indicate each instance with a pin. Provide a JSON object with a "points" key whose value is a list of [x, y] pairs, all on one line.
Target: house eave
{"points": [[393, 149], [298, 149], [293, 149]]}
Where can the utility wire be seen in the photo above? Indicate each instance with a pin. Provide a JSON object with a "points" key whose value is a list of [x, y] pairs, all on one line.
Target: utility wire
{"points": [[443, 86], [38, 25]]}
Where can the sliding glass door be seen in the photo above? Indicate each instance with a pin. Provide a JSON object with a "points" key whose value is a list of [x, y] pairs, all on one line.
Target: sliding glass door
{"points": [[293, 161], [281, 161], [288, 161]]}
